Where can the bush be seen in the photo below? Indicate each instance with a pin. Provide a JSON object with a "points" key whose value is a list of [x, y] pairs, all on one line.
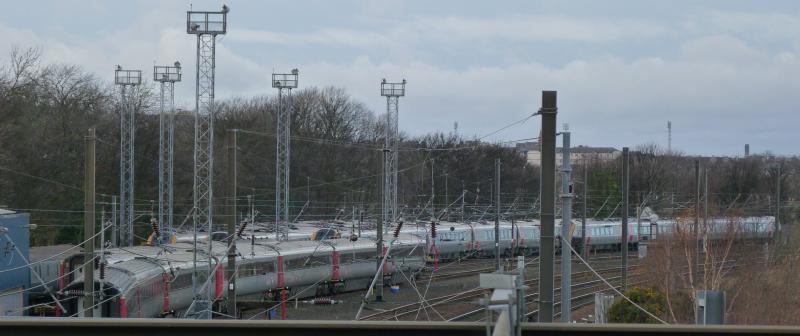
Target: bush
{"points": [[650, 299]]}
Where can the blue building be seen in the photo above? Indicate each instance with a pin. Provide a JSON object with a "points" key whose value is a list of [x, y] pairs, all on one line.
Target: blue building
{"points": [[15, 278]]}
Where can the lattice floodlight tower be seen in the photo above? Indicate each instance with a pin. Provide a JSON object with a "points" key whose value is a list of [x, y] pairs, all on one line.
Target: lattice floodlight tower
{"points": [[392, 92], [284, 83], [167, 76], [126, 79], [206, 25]]}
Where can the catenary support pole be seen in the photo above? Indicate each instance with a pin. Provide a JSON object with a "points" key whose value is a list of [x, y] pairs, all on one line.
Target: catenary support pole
{"points": [[625, 191], [548, 111], [379, 229], [497, 216], [232, 211], [696, 222], [88, 224], [584, 246], [566, 221]]}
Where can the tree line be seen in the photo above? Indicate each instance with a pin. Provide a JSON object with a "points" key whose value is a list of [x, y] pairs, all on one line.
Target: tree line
{"points": [[336, 158]]}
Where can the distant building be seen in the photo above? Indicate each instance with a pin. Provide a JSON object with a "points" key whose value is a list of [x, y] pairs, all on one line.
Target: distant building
{"points": [[578, 155], [15, 280]]}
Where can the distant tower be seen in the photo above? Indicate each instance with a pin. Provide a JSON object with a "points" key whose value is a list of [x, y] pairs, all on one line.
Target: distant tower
{"points": [[167, 76], [126, 78], [669, 137], [284, 83], [746, 150], [392, 92], [455, 128]]}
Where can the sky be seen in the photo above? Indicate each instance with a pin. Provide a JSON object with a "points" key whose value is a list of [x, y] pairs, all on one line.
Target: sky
{"points": [[725, 73]]}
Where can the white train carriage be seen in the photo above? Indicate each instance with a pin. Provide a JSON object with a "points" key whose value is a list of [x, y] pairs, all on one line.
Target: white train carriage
{"points": [[150, 281]]}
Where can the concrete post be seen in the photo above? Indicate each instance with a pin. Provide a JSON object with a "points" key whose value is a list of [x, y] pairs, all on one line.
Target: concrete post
{"points": [[625, 192], [230, 272], [548, 111], [88, 224], [497, 216], [566, 219]]}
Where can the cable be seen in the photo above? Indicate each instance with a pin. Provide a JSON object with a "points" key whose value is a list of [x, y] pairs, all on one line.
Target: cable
{"points": [[564, 242]]}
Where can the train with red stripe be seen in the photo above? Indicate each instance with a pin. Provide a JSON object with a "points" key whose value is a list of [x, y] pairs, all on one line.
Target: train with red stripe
{"points": [[159, 281]]}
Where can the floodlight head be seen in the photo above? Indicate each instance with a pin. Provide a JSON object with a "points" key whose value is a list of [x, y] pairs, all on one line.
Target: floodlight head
{"points": [[285, 81], [166, 73], [393, 89], [207, 23], [127, 77]]}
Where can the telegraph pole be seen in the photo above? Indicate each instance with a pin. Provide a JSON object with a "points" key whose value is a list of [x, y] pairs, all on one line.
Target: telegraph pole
{"points": [[232, 211], [206, 26], [284, 83], [88, 225], [585, 200], [625, 191], [696, 222], [126, 79], [548, 111], [566, 220], [167, 76], [497, 216]]}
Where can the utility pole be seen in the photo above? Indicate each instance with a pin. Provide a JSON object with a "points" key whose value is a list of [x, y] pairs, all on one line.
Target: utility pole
{"points": [[379, 253], [392, 92], [463, 200], [284, 83], [114, 230], [88, 225], [126, 79], [625, 191], [232, 211], [778, 206], [206, 26], [705, 215], [566, 220], [167, 76], [696, 222], [548, 111], [585, 201], [497, 216]]}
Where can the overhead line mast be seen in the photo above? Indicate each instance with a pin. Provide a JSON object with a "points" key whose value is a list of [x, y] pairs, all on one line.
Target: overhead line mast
{"points": [[206, 25]]}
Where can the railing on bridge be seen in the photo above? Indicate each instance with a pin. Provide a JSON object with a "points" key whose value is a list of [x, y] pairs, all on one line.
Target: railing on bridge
{"points": [[173, 327]]}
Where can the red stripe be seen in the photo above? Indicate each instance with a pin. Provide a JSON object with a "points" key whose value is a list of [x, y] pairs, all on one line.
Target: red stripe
{"points": [[123, 308], [219, 281], [335, 262]]}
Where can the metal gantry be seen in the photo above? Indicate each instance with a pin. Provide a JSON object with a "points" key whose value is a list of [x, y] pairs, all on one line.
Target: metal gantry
{"points": [[167, 76], [127, 81], [392, 92], [284, 83], [206, 25]]}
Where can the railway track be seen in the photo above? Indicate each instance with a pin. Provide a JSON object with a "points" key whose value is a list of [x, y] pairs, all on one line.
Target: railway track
{"points": [[470, 270], [465, 298]]}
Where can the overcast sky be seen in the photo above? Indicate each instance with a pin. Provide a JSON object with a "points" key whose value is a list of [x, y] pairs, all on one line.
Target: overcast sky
{"points": [[724, 72]]}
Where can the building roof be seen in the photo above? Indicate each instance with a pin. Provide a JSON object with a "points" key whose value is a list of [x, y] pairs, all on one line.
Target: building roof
{"points": [[534, 146]]}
